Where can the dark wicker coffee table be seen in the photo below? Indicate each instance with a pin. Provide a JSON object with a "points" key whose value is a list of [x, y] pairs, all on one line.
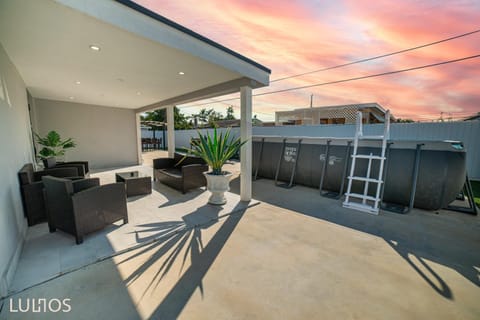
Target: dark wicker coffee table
{"points": [[136, 183]]}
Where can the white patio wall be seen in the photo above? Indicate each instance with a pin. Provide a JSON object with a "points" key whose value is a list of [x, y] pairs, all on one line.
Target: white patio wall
{"points": [[467, 131], [105, 136], [16, 143]]}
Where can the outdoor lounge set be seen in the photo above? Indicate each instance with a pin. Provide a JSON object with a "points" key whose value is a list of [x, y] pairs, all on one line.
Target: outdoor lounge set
{"points": [[62, 195]]}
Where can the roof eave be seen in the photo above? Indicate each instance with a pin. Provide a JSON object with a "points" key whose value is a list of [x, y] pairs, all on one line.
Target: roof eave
{"points": [[162, 19]]}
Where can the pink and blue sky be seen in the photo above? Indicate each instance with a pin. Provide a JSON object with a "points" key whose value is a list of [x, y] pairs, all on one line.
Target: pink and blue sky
{"points": [[292, 37]]}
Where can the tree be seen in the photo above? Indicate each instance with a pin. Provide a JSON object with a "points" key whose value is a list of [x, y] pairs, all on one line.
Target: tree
{"points": [[200, 117], [213, 117], [230, 114], [203, 115], [400, 120], [180, 119], [156, 115], [208, 118]]}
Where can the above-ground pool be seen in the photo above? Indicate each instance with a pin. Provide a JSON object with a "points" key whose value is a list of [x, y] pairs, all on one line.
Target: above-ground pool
{"points": [[301, 160]]}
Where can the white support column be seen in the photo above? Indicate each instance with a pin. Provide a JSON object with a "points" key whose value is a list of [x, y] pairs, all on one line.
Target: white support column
{"points": [[246, 135], [171, 131], [139, 138]]}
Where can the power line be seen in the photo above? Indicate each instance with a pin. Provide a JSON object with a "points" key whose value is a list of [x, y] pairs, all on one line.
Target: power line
{"points": [[259, 112], [377, 57], [346, 80], [214, 101], [368, 76]]}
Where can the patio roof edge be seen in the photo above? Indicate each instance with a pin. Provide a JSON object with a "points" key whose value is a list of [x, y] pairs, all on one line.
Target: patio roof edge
{"points": [[134, 6], [205, 93]]}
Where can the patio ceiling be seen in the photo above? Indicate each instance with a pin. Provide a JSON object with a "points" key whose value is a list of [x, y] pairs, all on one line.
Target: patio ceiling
{"points": [[138, 66]]}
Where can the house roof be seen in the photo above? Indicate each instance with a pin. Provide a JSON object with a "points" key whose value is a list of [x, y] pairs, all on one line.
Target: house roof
{"points": [[358, 106], [138, 66], [473, 117]]}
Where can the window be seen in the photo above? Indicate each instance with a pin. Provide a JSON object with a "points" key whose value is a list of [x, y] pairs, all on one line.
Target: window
{"points": [[332, 121]]}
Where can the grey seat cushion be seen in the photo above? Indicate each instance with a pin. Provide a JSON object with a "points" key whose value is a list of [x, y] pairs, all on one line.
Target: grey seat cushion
{"points": [[173, 172]]}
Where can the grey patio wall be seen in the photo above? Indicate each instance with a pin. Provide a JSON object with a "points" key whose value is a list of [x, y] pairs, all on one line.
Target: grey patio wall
{"points": [[468, 132], [105, 136], [16, 151]]}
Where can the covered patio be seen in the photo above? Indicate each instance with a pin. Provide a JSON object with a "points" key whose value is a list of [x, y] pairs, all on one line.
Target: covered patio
{"points": [[88, 70], [119, 58], [164, 213]]}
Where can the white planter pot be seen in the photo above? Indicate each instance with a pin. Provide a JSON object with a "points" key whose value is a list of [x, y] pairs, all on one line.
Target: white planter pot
{"points": [[218, 185]]}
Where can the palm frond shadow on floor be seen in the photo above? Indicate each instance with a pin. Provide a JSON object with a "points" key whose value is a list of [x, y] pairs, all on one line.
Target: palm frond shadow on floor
{"points": [[175, 237]]}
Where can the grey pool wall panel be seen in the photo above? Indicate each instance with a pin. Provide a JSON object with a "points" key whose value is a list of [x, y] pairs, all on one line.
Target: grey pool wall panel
{"points": [[442, 167]]}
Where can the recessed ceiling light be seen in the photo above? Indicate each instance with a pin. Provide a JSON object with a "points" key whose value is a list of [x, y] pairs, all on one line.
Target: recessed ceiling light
{"points": [[77, 82], [94, 47], [181, 73], [71, 98], [138, 93]]}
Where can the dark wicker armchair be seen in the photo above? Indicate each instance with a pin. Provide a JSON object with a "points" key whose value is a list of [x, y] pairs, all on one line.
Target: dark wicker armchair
{"points": [[82, 166], [31, 189], [185, 176], [83, 206]]}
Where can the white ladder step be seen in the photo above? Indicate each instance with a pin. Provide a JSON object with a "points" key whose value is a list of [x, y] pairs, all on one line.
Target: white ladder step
{"points": [[367, 156], [378, 180], [361, 196], [365, 179], [360, 207], [371, 137]]}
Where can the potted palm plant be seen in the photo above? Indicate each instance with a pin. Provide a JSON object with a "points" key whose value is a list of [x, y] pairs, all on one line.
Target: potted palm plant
{"points": [[53, 145], [215, 151]]}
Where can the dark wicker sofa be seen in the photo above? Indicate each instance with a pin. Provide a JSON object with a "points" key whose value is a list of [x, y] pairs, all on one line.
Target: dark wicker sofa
{"points": [[31, 189], [184, 176]]}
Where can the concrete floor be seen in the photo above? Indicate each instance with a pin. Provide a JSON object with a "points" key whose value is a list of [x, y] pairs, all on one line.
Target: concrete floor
{"points": [[294, 256], [166, 211]]}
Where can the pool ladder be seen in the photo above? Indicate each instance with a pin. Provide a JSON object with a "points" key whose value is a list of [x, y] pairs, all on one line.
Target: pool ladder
{"points": [[367, 202]]}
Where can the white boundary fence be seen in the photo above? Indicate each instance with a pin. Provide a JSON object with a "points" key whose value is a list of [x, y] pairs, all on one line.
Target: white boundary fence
{"points": [[467, 132]]}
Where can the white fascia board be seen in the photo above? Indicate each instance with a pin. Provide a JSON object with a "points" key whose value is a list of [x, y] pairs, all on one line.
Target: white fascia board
{"points": [[135, 22]]}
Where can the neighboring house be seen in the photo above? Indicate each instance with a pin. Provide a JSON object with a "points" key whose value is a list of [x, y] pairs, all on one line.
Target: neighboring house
{"points": [[228, 123], [341, 114], [236, 123], [474, 117]]}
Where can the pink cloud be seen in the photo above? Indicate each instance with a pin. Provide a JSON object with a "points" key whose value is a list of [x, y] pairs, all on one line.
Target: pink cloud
{"points": [[292, 37]]}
